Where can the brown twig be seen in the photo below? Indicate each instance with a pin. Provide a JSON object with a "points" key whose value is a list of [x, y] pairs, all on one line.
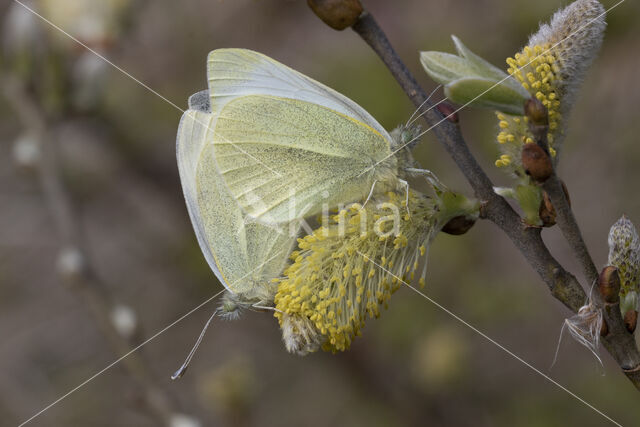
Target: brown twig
{"points": [[563, 285], [79, 274], [546, 176], [618, 341], [569, 227]]}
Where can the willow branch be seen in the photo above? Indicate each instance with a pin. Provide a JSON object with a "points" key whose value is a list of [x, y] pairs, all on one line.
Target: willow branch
{"points": [[562, 284], [618, 341], [569, 227], [543, 172]]}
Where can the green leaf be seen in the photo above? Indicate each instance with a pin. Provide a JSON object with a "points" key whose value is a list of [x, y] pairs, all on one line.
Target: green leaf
{"points": [[506, 192], [481, 92], [484, 67], [454, 204], [529, 197], [445, 67], [469, 76]]}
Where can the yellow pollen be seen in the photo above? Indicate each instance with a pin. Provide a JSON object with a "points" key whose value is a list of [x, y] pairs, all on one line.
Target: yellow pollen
{"points": [[336, 281], [537, 69]]}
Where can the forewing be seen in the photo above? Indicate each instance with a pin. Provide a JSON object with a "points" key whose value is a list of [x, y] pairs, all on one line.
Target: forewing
{"points": [[235, 73], [282, 159]]}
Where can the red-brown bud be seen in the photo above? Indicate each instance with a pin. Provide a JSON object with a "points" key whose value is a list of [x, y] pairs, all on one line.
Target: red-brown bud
{"points": [[338, 14], [547, 212], [609, 284], [630, 320], [459, 225], [536, 162], [604, 328], [449, 111]]}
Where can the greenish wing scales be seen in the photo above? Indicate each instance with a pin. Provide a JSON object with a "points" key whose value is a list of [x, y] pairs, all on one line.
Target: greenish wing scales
{"points": [[234, 73], [243, 255], [297, 156]]}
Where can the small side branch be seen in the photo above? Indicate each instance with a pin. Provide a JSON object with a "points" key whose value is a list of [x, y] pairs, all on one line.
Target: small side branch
{"points": [[618, 341], [542, 170], [569, 227]]}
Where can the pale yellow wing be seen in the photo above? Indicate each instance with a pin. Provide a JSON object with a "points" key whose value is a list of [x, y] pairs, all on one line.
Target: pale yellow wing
{"points": [[283, 159], [233, 73], [242, 255]]}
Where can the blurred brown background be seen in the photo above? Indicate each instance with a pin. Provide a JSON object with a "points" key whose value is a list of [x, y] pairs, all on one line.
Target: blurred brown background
{"points": [[114, 145]]}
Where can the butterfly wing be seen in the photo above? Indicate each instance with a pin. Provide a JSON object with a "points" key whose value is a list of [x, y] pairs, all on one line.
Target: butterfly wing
{"points": [[286, 144], [283, 159], [233, 73], [240, 254]]}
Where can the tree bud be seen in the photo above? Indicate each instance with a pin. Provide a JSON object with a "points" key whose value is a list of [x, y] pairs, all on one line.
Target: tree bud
{"points": [[609, 284], [338, 14], [536, 162], [630, 320], [547, 211], [448, 111], [459, 225]]}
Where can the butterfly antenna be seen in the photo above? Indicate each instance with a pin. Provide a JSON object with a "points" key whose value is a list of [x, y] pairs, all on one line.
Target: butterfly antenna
{"points": [[422, 105], [426, 111], [180, 372]]}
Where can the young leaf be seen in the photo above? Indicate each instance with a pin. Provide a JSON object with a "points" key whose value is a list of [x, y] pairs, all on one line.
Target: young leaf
{"points": [[481, 92]]}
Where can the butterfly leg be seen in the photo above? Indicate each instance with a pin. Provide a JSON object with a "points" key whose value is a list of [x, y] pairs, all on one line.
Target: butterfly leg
{"points": [[429, 176], [264, 307], [370, 193], [406, 186]]}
